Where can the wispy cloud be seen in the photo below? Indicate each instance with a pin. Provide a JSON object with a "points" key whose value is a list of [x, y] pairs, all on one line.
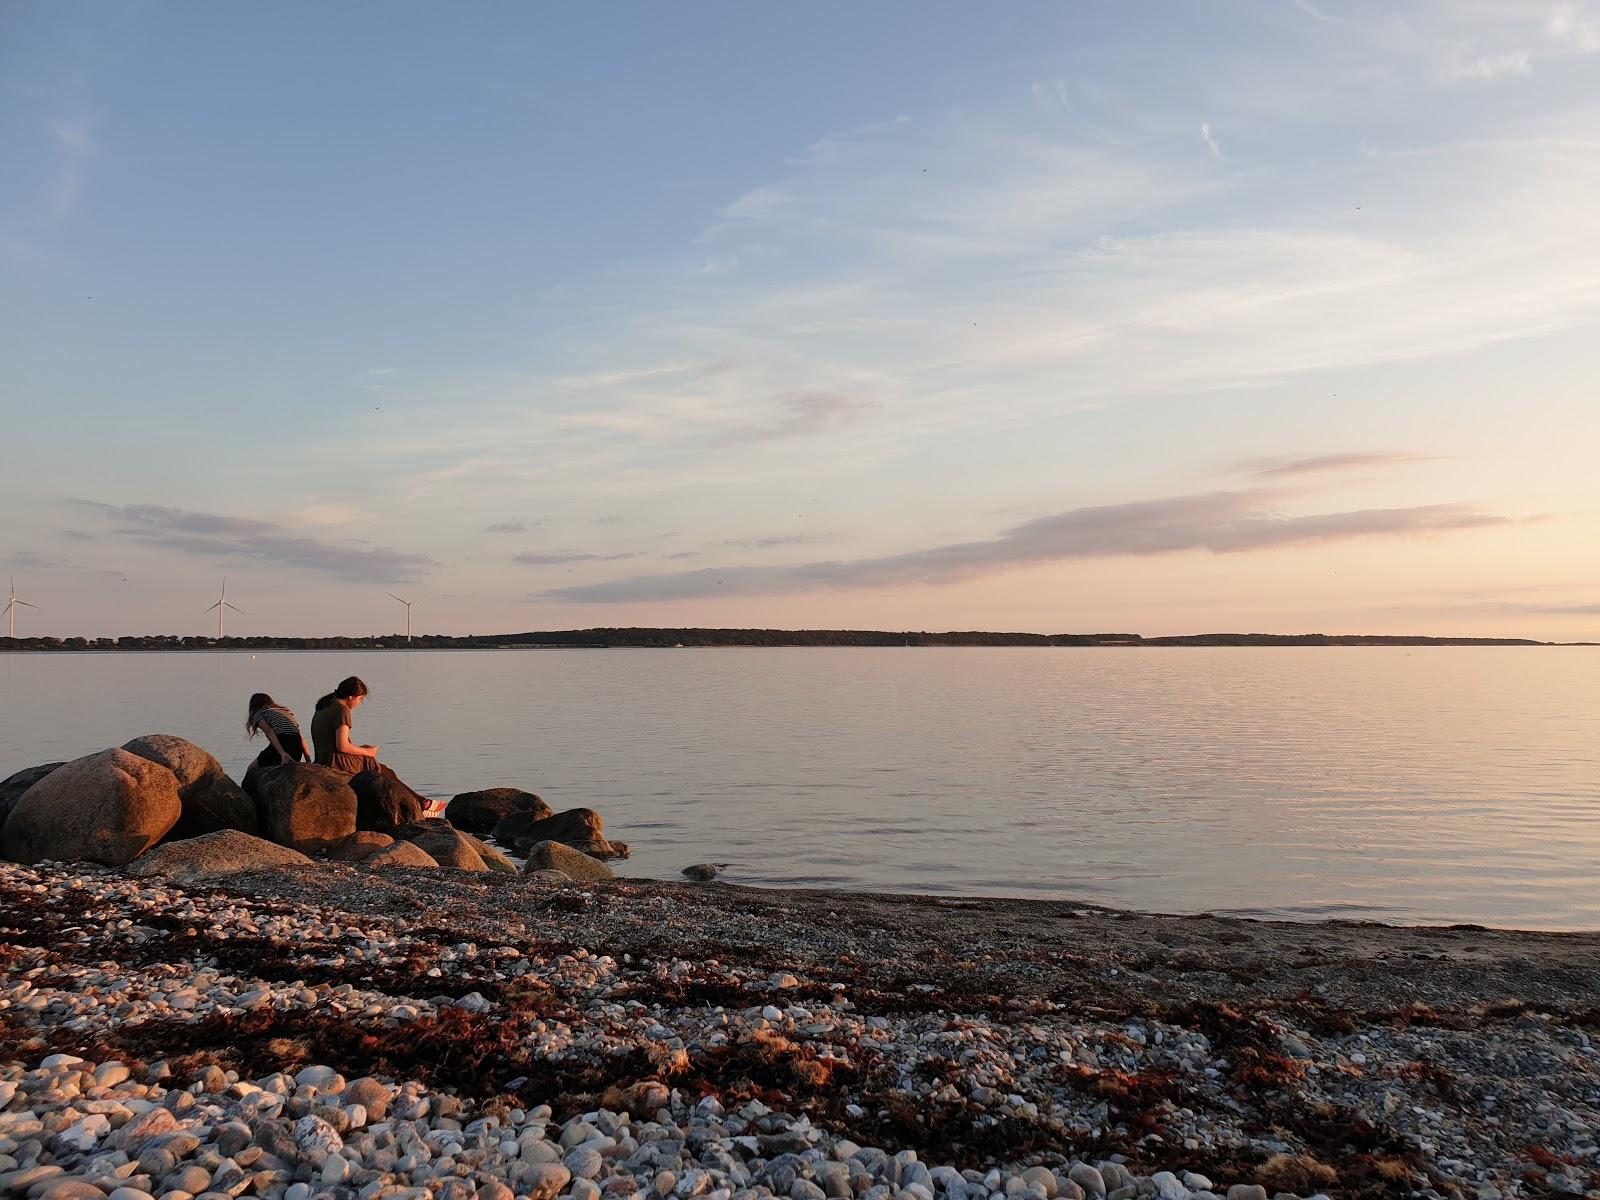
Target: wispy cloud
{"points": [[802, 414], [1211, 142], [244, 539], [511, 526], [779, 539], [1219, 522], [1326, 463], [550, 560]]}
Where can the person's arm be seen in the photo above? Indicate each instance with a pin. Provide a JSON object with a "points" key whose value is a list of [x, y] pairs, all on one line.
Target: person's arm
{"points": [[345, 746], [276, 744]]}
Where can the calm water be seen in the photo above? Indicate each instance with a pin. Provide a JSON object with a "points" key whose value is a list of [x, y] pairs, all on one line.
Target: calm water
{"points": [[1431, 784]]}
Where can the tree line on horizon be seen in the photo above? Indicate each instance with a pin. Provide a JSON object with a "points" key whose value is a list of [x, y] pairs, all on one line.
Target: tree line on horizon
{"points": [[663, 638]]}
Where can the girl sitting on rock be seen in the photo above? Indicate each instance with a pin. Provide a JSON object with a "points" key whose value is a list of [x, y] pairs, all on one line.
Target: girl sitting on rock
{"points": [[284, 743], [330, 730]]}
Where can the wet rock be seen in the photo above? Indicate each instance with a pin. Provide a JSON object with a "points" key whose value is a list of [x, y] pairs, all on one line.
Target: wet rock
{"points": [[214, 854], [574, 864], [306, 806], [108, 808], [580, 828], [479, 812]]}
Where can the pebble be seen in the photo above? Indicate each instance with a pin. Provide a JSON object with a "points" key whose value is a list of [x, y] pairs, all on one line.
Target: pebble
{"points": [[77, 1130]]}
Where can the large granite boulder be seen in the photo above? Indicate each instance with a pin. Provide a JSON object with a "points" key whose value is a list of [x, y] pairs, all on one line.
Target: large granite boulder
{"points": [[574, 864], [448, 846], [402, 854], [12, 786], [211, 801], [480, 812], [209, 855], [579, 828], [359, 846], [108, 808], [305, 806], [383, 801]]}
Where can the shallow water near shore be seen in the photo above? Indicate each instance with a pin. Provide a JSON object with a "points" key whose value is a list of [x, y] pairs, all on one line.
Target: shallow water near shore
{"points": [[1426, 784]]}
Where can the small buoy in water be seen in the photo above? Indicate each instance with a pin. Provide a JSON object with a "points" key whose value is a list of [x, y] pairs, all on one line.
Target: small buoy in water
{"points": [[704, 872]]}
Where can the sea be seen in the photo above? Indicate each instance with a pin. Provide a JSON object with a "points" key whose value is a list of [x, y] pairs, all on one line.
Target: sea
{"points": [[1432, 784]]}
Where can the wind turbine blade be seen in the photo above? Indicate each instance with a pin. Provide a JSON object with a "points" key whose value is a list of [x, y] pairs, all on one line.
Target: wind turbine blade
{"points": [[215, 606], [392, 596], [25, 604], [238, 610]]}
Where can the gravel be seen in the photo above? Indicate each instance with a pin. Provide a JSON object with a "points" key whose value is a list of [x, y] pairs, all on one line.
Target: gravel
{"points": [[316, 1032]]}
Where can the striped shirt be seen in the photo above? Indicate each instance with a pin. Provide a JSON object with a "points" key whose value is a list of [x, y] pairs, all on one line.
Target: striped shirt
{"points": [[280, 720]]}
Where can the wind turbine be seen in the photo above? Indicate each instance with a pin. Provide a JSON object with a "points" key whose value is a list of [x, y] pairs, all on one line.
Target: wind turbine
{"points": [[222, 606], [408, 604], [12, 605]]}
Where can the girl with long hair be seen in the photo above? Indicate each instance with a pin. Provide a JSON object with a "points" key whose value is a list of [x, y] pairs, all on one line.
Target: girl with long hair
{"points": [[284, 743]]}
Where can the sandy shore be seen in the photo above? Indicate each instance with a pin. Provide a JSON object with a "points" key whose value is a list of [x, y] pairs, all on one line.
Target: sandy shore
{"points": [[804, 1044]]}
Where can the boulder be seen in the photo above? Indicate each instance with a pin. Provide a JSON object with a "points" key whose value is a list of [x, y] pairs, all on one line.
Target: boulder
{"points": [[402, 854], [480, 812], [211, 801], [579, 828], [223, 852], [492, 858], [305, 806], [448, 846], [359, 846], [108, 807], [12, 787], [383, 802], [574, 864]]}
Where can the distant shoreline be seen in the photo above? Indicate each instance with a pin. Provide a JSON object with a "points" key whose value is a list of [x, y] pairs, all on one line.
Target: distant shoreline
{"points": [[699, 638]]}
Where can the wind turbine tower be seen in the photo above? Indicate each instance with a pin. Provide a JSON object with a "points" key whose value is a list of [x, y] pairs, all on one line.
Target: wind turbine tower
{"points": [[408, 604], [12, 604], [222, 605]]}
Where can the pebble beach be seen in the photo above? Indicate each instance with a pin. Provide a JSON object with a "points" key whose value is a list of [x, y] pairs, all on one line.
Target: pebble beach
{"points": [[325, 1031]]}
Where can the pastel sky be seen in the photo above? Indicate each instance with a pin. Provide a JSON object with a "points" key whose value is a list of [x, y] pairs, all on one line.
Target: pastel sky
{"points": [[1171, 318]]}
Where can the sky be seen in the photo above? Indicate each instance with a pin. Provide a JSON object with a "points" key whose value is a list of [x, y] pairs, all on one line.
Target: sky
{"points": [[1156, 317]]}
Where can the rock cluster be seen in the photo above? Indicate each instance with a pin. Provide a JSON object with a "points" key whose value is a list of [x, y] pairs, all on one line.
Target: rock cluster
{"points": [[160, 790]]}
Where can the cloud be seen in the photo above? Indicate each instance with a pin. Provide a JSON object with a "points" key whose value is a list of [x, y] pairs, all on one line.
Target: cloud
{"points": [[32, 558], [1487, 66], [511, 526], [766, 543], [802, 414], [1205, 136], [1322, 463], [1548, 610], [548, 560], [244, 539], [1219, 522]]}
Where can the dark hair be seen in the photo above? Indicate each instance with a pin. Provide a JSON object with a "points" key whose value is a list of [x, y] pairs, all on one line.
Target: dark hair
{"points": [[258, 701], [348, 689]]}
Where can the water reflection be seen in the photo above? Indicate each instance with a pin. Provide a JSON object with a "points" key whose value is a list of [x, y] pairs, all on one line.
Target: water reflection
{"points": [[1452, 784]]}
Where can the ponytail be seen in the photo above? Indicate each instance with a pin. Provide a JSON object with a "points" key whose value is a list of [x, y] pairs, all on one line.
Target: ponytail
{"points": [[349, 688]]}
